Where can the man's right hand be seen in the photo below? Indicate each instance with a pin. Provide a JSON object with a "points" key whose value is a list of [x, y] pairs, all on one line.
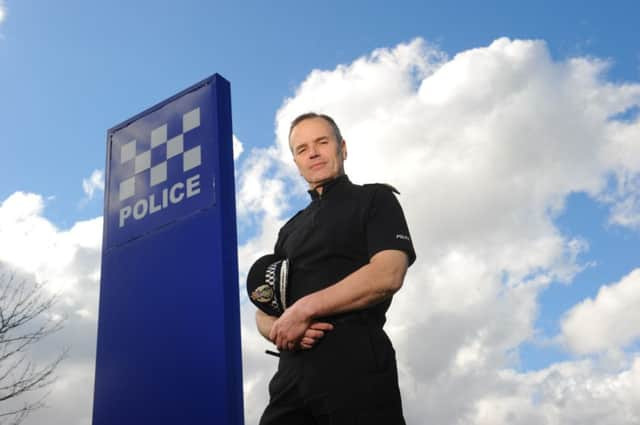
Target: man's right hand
{"points": [[312, 335]]}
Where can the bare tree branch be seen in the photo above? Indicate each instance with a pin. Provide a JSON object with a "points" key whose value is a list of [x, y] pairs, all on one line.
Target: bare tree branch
{"points": [[25, 319]]}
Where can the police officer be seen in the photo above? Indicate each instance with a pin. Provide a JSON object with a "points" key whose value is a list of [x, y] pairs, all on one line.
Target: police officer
{"points": [[348, 250]]}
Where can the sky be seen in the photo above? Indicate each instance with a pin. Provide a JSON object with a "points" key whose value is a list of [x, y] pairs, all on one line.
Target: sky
{"points": [[511, 129]]}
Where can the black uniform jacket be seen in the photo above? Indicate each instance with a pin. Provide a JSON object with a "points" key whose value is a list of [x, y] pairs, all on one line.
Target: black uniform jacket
{"points": [[339, 232]]}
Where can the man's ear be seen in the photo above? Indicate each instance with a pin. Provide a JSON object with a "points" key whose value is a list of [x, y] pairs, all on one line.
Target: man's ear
{"points": [[343, 149]]}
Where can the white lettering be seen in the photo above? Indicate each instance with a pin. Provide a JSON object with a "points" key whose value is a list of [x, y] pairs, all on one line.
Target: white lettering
{"points": [[124, 214], [172, 193], [193, 185], [170, 196], [140, 209], [165, 197], [153, 208]]}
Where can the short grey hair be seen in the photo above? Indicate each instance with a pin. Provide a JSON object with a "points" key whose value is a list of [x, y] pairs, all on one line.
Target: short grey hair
{"points": [[327, 118]]}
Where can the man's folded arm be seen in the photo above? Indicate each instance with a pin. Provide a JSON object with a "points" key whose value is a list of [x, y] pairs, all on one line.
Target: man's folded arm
{"points": [[370, 284]]}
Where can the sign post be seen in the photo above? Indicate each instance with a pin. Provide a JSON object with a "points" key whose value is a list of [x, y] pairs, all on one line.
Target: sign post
{"points": [[169, 324]]}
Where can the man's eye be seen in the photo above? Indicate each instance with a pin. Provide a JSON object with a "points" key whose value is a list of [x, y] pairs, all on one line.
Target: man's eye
{"points": [[301, 150]]}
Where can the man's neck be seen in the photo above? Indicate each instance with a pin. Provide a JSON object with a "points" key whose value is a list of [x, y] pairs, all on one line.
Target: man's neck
{"points": [[318, 188]]}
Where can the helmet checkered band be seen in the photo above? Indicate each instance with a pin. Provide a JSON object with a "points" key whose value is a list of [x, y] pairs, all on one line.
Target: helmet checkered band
{"points": [[270, 279]]}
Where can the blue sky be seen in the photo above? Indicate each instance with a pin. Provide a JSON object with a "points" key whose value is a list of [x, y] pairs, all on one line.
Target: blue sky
{"points": [[70, 70], [75, 68]]}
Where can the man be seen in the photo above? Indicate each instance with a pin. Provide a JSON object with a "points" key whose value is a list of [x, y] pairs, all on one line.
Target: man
{"points": [[349, 250]]}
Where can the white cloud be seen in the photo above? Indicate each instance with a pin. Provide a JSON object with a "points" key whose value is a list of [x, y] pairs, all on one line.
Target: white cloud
{"points": [[93, 184], [237, 147], [608, 322], [485, 148], [259, 190], [71, 396], [3, 11], [626, 199], [31, 243], [68, 263], [565, 393]]}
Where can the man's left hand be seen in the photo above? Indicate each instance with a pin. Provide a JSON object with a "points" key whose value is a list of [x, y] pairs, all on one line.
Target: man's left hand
{"points": [[290, 327]]}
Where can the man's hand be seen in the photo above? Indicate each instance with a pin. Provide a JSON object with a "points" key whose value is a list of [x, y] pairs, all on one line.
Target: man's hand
{"points": [[287, 331], [310, 338], [295, 329]]}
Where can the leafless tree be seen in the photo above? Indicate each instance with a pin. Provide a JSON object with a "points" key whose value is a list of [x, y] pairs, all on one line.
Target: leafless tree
{"points": [[25, 319]]}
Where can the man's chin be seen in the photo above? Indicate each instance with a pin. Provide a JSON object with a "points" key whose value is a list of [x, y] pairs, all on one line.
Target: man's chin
{"points": [[318, 179]]}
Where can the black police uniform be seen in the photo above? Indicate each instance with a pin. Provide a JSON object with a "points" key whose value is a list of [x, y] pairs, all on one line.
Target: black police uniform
{"points": [[349, 376]]}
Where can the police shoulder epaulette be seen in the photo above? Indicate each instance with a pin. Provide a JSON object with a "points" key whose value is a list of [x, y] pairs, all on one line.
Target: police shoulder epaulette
{"points": [[386, 186]]}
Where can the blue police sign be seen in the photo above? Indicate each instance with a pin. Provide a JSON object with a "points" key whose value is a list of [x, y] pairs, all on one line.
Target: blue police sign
{"points": [[169, 328]]}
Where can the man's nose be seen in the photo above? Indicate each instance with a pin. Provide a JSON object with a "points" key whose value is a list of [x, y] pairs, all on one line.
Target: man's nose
{"points": [[313, 152]]}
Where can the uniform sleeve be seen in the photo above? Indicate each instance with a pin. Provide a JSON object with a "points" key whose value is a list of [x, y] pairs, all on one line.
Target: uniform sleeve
{"points": [[386, 227]]}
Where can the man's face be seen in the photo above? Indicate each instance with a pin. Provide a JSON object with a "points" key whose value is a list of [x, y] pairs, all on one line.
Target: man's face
{"points": [[316, 151]]}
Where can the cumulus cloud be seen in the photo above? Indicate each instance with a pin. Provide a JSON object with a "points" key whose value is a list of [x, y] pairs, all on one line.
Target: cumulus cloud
{"points": [[30, 242], [67, 263], [485, 148], [608, 322], [565, 393], [259, 191]]}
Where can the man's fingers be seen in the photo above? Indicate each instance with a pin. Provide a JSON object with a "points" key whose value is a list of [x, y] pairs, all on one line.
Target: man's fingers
{"points": [[286, 337], [312, 333], [284, 343], [315, 331], [308, 341], [321, 326]]}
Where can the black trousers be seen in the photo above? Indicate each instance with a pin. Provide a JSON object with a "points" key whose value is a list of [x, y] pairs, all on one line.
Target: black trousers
{"points": [[348, 378]]}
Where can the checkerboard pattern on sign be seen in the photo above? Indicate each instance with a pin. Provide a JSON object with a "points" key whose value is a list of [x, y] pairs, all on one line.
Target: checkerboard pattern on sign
{"points": [[191, 158]]}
